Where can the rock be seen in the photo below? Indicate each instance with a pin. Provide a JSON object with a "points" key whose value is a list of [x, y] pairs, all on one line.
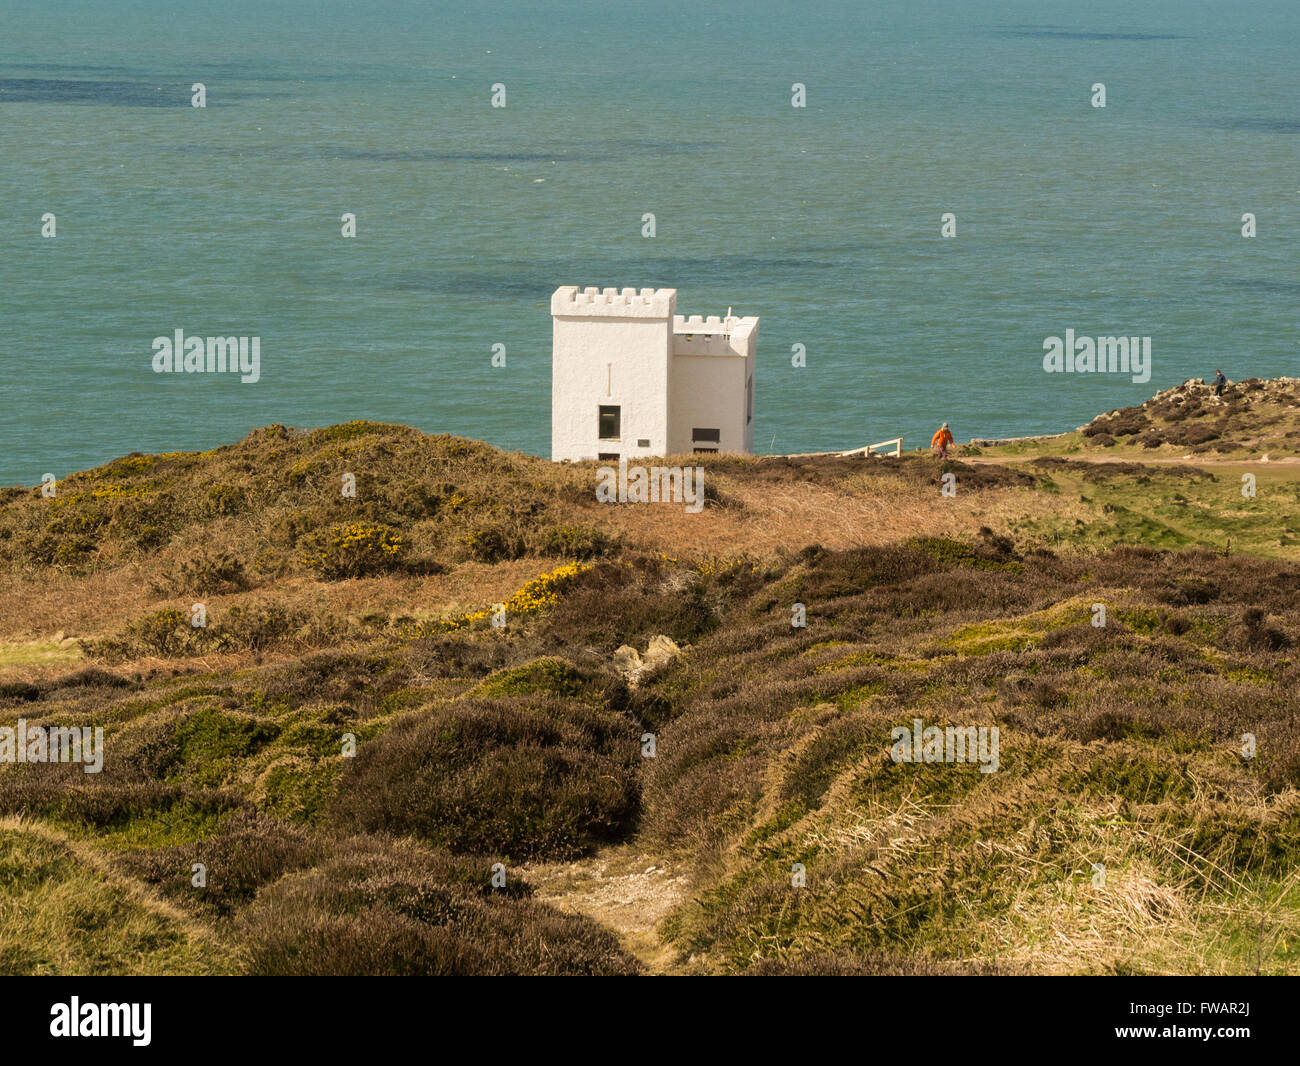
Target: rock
{"points": [[661, 648], [628, 660], [630, 663]]}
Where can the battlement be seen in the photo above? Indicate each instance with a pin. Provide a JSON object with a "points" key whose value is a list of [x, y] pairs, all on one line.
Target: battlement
{"points": [[712, 324], [713, 335], [591, 302]]}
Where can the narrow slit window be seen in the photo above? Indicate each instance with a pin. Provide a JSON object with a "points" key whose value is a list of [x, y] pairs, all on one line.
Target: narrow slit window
{"points": [[610, 419]]}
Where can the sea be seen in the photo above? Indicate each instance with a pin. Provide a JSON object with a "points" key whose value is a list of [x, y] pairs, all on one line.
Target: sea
{"points": [[826, 220]]}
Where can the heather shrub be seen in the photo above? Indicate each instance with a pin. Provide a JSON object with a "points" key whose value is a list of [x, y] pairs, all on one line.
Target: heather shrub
{"points": [[1187, 436], [390, 909], [556, 677], [361, 679], [1126, 422], [458, 654], [613, 604], [250, 850], [525, 777], [63, 794]]}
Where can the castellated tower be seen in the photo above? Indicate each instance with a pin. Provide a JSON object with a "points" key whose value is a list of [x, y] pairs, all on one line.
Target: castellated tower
{"points": [[630, 377]]}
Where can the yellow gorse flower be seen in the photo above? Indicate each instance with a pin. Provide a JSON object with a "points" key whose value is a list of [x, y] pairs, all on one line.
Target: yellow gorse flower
{"points": [[539, 594]]}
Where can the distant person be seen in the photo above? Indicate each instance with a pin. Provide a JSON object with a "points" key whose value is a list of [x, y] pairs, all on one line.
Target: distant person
{"points": [[941, 440], [1219, 382]]}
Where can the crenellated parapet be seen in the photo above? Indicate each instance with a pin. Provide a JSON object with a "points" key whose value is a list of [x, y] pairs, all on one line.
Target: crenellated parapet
{"points": [[714, 335], [591, 302]]}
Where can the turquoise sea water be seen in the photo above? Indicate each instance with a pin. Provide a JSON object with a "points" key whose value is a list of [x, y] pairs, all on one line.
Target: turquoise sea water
{"points": [[825, 221]]}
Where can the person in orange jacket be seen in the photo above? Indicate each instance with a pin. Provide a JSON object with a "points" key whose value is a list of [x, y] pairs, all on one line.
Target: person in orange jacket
{"points": [[941, 439]]}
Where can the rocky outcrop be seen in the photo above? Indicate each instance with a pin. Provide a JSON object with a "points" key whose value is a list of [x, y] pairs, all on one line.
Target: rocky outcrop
{"points": [[633, 665]]}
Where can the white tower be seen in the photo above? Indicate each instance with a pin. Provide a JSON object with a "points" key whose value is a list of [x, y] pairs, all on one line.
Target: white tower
{"points": [[632, 378]]}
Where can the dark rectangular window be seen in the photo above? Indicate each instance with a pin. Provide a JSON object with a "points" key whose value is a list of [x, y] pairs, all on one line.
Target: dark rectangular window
{"points": [[608, 457], [706, 451], [643, 443], [610, 417], [713, 435]]}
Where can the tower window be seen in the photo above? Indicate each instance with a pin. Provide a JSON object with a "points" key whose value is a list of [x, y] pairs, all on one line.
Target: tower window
{"points": [[711, 435], [610, 419]]}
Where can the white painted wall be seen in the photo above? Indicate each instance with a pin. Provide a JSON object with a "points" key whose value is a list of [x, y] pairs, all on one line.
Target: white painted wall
{"points": [[712, 361], [610, 348]]}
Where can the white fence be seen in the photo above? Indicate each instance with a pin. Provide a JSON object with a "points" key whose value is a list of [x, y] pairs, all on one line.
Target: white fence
{"points": [[870, 449], [877, 449]]}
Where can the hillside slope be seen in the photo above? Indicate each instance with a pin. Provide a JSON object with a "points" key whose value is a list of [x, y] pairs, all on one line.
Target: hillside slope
{"points": [[376, 778]]}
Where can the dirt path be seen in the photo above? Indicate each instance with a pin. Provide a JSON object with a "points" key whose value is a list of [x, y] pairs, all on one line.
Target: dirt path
{"points": [[624, 890]]}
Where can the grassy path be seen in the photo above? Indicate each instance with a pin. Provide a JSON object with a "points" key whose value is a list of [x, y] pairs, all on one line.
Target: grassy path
{"points": [[623, 889]]}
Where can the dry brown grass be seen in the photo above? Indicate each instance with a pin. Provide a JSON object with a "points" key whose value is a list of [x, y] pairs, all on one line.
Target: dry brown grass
{"points": [[857, 509]]}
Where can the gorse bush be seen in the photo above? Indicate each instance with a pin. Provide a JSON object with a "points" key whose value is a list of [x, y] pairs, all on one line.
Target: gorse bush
{"points": [[242, 627], [204, 573], [164, 632], [610, 604], [279, 489], [578, 542], [355, 550], [493, 544]]}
